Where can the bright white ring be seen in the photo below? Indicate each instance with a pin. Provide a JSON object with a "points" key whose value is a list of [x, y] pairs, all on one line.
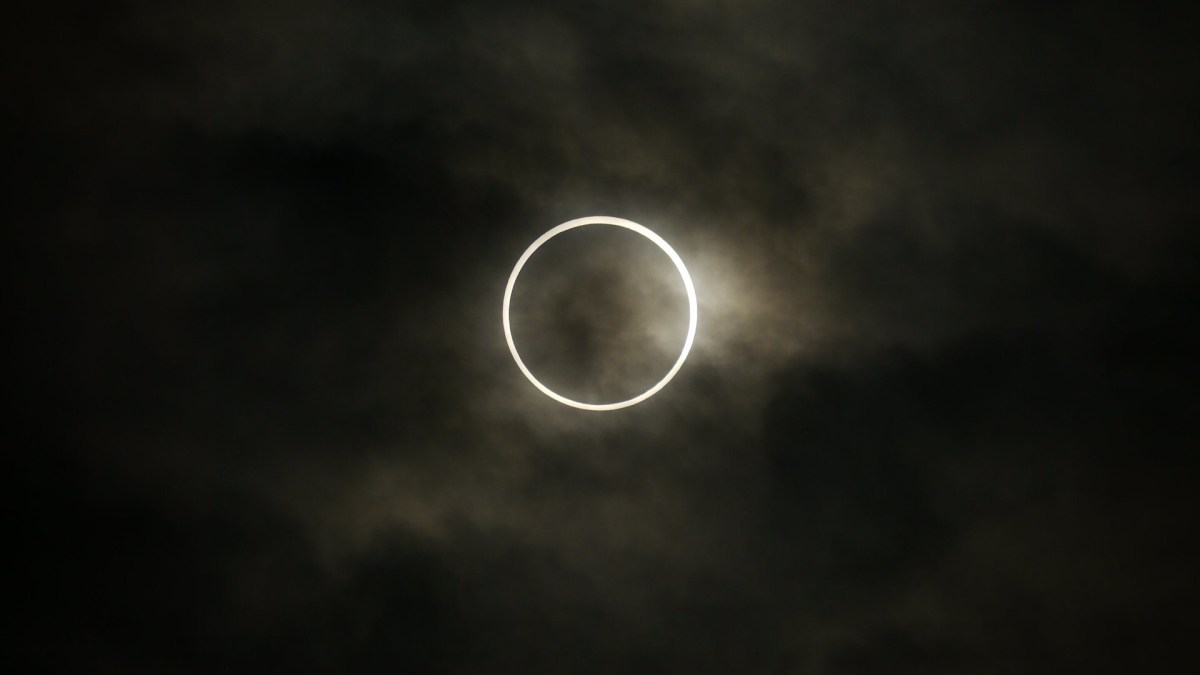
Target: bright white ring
{"points": [[630, 225]]}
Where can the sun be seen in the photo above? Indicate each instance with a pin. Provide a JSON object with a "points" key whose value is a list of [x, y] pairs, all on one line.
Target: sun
{"points": [[658, 241]]}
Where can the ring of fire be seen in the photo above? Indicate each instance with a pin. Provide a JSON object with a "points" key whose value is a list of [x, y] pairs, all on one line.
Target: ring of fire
{"points": [[658, 241]]}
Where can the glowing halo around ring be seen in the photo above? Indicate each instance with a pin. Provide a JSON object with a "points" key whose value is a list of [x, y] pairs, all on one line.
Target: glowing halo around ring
{"points": [[645, 232]]}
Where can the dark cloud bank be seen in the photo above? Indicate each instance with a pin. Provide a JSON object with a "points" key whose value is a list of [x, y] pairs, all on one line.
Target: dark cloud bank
{"points": [[939, 417]]}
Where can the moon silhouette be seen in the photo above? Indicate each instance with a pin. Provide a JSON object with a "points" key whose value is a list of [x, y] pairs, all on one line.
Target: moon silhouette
{"points": [[658, 241]]}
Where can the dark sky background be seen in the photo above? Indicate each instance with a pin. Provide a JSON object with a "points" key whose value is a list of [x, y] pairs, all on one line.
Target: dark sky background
{"points": [[940, 416]]}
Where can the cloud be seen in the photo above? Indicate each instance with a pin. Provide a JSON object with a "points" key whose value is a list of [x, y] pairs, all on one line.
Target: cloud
{"points": [[935, 419]]}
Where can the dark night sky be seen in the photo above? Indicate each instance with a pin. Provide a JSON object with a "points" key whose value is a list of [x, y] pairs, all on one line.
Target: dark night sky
{"points": [[939, 417]]}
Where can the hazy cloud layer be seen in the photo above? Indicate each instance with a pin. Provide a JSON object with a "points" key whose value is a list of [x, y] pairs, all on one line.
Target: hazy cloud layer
{"points": [[937, 417]]}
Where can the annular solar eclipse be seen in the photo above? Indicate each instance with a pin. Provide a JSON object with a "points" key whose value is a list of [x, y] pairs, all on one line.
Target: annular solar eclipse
{"points": [[658, 241]]}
